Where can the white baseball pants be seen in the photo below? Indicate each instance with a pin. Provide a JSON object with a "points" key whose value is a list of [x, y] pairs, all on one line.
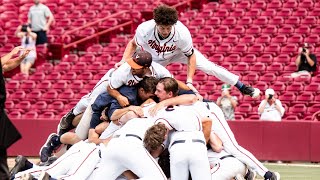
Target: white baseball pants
{"points": [[128, 153], [227, 169], [206, 66], [230, 144]]}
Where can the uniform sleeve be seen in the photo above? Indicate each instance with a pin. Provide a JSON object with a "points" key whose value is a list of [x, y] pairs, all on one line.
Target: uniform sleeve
{"points": [[282, 110], [185, 42], [119, 76], [161, 71], [139, 36], [99, 104], [47, 12]]}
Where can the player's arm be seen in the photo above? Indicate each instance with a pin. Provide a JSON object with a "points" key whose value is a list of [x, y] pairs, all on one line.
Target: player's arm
{"points": [[123, 101], [93, 136], [206, 127], [185, 99], [191, 67], [215, 142], [117, 114], [130, 49], [9, 64]]}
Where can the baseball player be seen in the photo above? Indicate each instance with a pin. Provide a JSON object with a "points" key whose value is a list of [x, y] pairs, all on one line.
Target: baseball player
{"points": [[169, 41], [125, 151], [231, 146]]}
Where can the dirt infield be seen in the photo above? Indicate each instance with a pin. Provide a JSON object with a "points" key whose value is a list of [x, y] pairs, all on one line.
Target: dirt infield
{"points": [[11, 161]]}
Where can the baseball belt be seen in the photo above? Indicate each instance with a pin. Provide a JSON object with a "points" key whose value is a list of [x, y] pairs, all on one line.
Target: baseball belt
{"points": [[129, 135], [226, 156], [183, 141]]}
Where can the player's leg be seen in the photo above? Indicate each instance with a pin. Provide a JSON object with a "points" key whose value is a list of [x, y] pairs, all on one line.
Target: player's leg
{"points": [[223, 131], [142, 163], [198, 161], [228, 168], [178, 162], [83, 127]]}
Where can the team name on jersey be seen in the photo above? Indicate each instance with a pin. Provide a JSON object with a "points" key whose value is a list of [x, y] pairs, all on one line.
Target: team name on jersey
{"points": [[159, 49], [132, 82]]}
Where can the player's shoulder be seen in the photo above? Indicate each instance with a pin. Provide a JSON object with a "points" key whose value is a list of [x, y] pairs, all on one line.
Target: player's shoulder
{"points": [[181, 28], [146, 26], [124, 68]]}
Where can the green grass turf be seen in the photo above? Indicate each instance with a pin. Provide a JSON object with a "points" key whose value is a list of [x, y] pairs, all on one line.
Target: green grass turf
{"points": [[299, 171]]}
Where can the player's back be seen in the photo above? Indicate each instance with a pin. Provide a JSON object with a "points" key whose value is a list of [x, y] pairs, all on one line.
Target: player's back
{"points": [[136, 126]]}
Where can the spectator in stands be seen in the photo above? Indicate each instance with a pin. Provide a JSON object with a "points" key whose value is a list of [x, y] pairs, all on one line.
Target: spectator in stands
{"points": [[8, 133], [306, 62], [271, 109], [227, 102], [40, 18], [28, 40]]}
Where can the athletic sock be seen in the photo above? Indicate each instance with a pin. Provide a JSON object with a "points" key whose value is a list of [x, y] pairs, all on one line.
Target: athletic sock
{"points": [[267, 175], [239, 84]]}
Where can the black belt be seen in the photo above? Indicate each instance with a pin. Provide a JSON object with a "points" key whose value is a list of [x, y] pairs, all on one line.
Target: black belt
{"points": [[183, 141], [128, 135], [223, 157]]}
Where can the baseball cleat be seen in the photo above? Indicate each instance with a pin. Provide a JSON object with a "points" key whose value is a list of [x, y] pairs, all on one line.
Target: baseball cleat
{"points": [[65, 124], [275, 176], [251, 175], [47, 149], [51, 160], [19, 166], [250, 91]]}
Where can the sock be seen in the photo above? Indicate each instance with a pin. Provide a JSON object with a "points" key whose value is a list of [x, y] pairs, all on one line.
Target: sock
{"points": [[267, 175], [239, 84], [28, 165], [56, 141]]}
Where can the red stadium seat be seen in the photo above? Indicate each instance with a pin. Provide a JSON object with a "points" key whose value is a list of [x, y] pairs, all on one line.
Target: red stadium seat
{"points": [[233, 58], [300, 13], [277, 20], [261, 85], [72, 58], [304, 30], [207, 30], [244, 108], [47, 116], [256, 49], [269, 13], [265, 58], [293, 20], [253, 12], [247, 39], [293, 4], [223, 30], [287, 97], [211, 5], [280, 39], [30, 115], [306, 4], [222, 13], [305, 97], [229, 21], [213, 22], [60, 85], [262, 21], [228, 5], [313, 87], [315, 11], [85, 76], [34, 95], [289, 68], [303, 79], [79, 67], [258, 67], [217, 58], [90, 14], [298, 109], [273, 49], [249, 58], [291, 118], [27, 85], [251, 77], [268, 77], [264, 39], [38, 76], [238, 13], [69, 76], [23, 106], [241, 68], [295, 87], [245, 21], [76, 85], [240, 49], [44, 85], [296, 38], [270, 29], [55, 106], [12, 85], [39, 106], [284, 12], [285, 78], [63, 67], [313, 109], [286, 29], [238, 30], [278, 87], [223, 48], [215, 39], [274, 5], [309, 20], [243, 5], [290, 49], [312, 39]]}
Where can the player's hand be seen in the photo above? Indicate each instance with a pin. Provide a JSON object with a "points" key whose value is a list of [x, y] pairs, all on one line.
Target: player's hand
{"points": [[300, 50], [118, 64], [123, 101], [137, 110], [26, 52], [154, 110], [16, 50]]}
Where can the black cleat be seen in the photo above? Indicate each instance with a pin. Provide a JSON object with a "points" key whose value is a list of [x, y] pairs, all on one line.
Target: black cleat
{"points": [[47, 149], [49, 162], [250, 91], [65, 124], [251, 175], [19, 166]]}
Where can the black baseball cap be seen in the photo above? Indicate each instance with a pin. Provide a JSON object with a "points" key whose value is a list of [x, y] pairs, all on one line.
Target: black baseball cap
{"points": [[140, 59]]}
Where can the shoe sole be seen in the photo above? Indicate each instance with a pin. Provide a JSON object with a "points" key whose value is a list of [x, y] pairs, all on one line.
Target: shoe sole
{"points": [[45, 144], [19, 159], [256, 93]]}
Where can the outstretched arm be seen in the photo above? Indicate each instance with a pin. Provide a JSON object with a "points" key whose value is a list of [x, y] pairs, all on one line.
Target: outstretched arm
{"points": [[130, 49]]}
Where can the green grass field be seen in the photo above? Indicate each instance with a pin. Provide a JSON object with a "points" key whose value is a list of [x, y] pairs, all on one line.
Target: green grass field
{"points": [[296, 171]]}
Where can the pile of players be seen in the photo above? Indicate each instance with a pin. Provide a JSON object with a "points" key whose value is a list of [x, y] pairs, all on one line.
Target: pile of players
{"points": [[138, 114]]}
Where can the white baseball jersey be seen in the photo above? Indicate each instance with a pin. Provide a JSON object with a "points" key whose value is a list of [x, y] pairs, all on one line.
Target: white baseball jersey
{"points": [[222, 130], [123, 75], [176, 48], [187, 148], [224, 166], [125, 151]]}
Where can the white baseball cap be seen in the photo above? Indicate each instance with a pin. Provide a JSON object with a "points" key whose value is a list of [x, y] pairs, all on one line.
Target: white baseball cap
{"points": [[269, 92]]}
